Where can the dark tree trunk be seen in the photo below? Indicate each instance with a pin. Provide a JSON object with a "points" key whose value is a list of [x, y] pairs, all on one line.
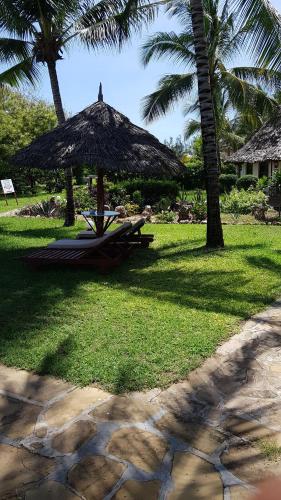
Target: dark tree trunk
{"points": [[209, 140], [100, 201], [70, 210]]}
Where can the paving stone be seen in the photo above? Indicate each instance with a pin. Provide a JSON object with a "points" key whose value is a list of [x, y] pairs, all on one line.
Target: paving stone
{"points": [[194, 479], [29, 385], [249, 429], [240, 493], [73, 404], [19, 468], [41, 430], [124, 408], [251, 407], [17, 419], [95, 476], [275, 368], [248, 463], [75, 436], [138, 490], [143, 449], [50, 490], [199, 436]]}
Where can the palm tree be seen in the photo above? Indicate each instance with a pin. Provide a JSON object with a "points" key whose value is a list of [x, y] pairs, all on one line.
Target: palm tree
{"points": [[240, 88], [38, 32], [209, 40], [208, 127]]}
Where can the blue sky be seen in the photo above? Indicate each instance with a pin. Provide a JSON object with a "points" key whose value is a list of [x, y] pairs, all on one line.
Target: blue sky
{"points": [[124, 79]]}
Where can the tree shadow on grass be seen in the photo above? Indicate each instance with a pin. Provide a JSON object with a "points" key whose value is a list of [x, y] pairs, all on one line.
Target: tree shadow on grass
{"points": [[30, 299]]}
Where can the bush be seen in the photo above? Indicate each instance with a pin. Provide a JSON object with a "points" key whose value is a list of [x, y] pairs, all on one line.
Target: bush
{"points": [[137, 198], [244, 202], [276, 181], [151, 190], [263, 183], [166, 217], [163, 205], [227, 182], [247, 181], [83, 200], [199, 207], [132, 209], [194, 176], [55, 207], [118, 196], [228, 168]]}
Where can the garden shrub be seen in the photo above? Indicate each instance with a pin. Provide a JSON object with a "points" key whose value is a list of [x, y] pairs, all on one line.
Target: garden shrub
{"points": [[118, 196], [83, 200], [166, 217], [137, 198], [263, 183], [194, 175], [244, 202], [163, 204], [132, 209], [247, 181], [276, 180], [151, 190], [228, 168], [55, 207], [199, 206], [227, 182]]}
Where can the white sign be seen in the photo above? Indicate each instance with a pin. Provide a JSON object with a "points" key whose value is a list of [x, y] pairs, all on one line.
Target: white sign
{"points": [[7, 186]]}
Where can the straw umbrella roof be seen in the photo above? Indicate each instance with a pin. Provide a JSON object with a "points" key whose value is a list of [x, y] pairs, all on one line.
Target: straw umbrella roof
{"points": [[264, 145], [101, 137]]}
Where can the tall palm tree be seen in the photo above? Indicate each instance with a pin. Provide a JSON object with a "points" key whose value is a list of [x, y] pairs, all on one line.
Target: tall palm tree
{"points": [[240, 88], [208, 41], [39, 31], [208, 127]]}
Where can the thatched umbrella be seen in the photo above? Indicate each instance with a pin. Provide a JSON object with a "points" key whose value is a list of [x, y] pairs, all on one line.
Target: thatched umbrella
{"points": [[103, 138], [263, 146]]}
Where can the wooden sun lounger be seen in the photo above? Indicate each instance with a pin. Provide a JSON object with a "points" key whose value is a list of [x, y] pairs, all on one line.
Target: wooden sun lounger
{"points": [[100, 253], [133, 235]]}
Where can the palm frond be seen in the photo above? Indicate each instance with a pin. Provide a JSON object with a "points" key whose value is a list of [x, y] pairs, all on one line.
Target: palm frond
{"points": [[171, 88], [265, 39], [14, 50], [177, 47], [262, 76], [192, 127], [16, 19], [112, 22], [245, 96], [26, 70]]}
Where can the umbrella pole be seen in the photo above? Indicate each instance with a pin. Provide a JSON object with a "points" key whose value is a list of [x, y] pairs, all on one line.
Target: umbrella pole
{"points": [[100, 201]]}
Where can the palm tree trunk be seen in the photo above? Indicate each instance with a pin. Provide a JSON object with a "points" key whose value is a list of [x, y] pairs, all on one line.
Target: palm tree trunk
{"points": [[208, 126], [100, 201], [70, 210]]}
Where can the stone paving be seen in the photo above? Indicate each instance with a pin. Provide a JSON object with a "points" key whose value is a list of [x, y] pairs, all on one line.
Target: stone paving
{"points": [[215, 435]]}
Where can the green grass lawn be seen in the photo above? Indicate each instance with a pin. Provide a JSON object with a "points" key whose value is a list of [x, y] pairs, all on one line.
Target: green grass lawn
{"points": [[22, 200], [148, 323]]}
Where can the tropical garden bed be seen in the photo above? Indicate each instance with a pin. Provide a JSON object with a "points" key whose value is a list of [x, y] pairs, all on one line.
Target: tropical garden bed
{"points": [[109, 330]]}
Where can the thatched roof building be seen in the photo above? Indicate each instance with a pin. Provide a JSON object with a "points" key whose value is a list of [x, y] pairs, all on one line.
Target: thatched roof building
{"points": [[101, 137], [265, 145]]}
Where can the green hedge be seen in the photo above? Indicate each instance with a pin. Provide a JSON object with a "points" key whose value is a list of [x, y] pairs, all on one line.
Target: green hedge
{"points": [[247, 181], [227, 182], [151, 190]]}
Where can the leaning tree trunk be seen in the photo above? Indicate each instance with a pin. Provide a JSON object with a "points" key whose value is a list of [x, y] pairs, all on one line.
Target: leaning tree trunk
{"points": [[208, 126], [70, 211]]}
